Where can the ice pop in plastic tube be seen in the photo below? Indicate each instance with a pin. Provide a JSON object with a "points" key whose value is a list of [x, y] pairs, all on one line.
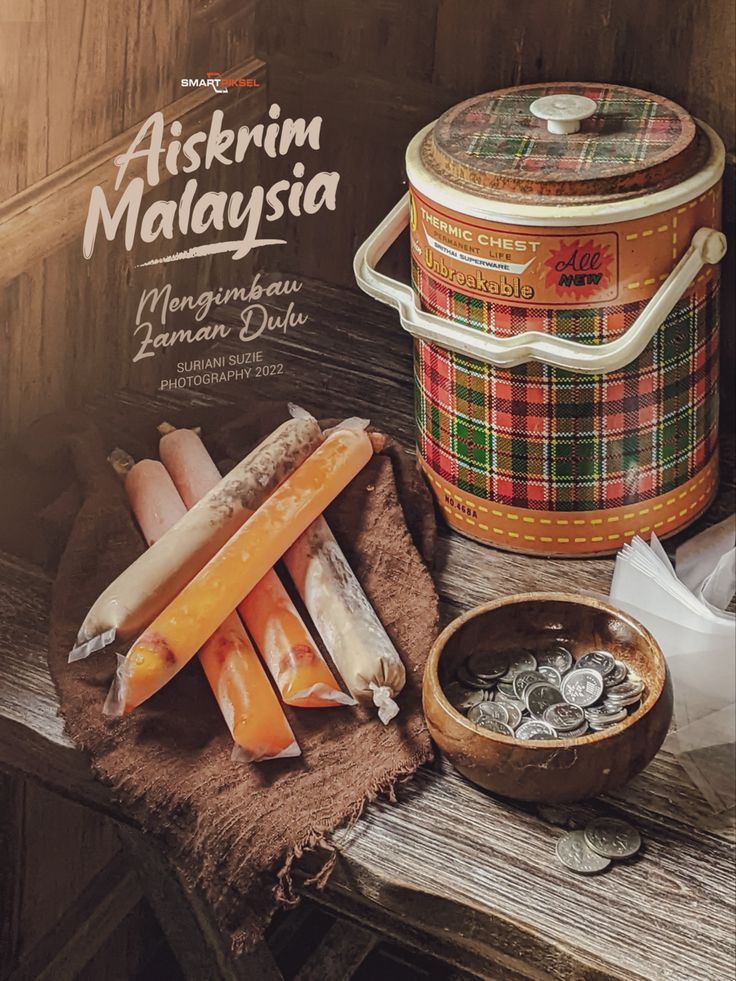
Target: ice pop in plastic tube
{"points": [[156, 503], [247, 701], [287, 647], [140, 593], [188, 463], [249, 705], [274, 623], [347, 623], [189, 620]]}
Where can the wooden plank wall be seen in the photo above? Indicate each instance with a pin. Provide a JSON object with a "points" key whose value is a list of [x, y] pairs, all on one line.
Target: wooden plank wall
{"points": [[380, 70], [75, 74], [76, 80]]}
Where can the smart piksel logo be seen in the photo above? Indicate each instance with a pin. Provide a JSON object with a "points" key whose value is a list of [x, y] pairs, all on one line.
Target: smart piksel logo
{"points": [[218, 83]]}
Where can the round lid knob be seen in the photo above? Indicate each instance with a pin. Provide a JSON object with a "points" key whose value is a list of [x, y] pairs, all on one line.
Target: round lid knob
{"points": [[562, 112]]}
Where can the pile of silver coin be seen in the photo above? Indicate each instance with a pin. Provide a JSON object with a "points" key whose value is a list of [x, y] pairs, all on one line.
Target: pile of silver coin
{"points": [[544, 694], [603, 840]]}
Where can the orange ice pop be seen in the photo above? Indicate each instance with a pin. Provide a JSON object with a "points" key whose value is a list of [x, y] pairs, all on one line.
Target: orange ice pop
{"points": [[192, 617], [274, 623], [247, 701]]}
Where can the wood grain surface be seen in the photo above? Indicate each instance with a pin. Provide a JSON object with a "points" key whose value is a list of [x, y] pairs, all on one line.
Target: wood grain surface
{"points": [[68, 322], [76, 81], [450, 866], [74, 74]]}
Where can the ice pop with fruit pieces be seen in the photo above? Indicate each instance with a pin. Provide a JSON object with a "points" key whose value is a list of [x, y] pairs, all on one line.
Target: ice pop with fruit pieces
{"points": [[247, 701], [147, 586], [347, 623], [189, 620], [274, 623]]}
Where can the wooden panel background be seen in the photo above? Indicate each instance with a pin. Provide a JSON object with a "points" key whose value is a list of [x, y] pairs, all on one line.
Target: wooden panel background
{"points": [[74, 73], [382, 70], [76, 80]]}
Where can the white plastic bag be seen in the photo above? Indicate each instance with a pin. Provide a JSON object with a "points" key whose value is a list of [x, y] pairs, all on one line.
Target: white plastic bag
{"points": [[686, 613]]}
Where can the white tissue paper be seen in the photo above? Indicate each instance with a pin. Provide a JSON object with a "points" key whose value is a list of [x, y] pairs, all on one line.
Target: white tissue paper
{"points": [[686, 612]]}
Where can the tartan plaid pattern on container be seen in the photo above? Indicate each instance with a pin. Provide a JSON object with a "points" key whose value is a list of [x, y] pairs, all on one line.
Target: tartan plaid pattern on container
{"points": [[592, 325], [503, 133], [542, 438]]}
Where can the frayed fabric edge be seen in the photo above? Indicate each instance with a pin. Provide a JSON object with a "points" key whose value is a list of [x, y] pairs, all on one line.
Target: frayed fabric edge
{"points": [[284, 890]]}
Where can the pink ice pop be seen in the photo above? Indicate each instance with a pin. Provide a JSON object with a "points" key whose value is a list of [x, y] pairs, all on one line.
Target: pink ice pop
{"points": [[189, 465], [153, 498]]}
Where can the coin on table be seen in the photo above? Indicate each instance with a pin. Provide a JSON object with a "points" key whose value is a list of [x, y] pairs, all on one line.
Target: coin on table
{"points": [[564, 717], [619, 674], [489, 710], [602, 661], [519, 661], [493, 725], [488, 665], [612, 838], [525, 679], [539, 697], [470, 680], [582, 686], [575, 853], [557, 657], [535, 729], [550, 674]]}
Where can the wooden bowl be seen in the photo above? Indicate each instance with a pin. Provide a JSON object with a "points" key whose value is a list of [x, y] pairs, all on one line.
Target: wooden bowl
{"points": [[562, 770]]}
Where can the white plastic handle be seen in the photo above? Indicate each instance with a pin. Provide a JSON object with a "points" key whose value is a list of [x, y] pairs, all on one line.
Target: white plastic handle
{"points": [[707, 246]]}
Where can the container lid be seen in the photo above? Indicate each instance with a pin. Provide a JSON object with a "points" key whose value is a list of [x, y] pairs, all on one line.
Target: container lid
{"points": [[570, 140]]}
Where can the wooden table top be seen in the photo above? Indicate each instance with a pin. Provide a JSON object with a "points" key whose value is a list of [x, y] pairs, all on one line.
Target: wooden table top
{"points": [[447, 865]]}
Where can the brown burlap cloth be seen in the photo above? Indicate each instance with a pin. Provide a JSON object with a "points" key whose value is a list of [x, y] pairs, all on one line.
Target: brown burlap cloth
{"points": [[233, 830]]}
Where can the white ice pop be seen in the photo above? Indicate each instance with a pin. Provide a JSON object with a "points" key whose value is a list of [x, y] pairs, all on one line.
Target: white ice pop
{"points": [[349, 626]]}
